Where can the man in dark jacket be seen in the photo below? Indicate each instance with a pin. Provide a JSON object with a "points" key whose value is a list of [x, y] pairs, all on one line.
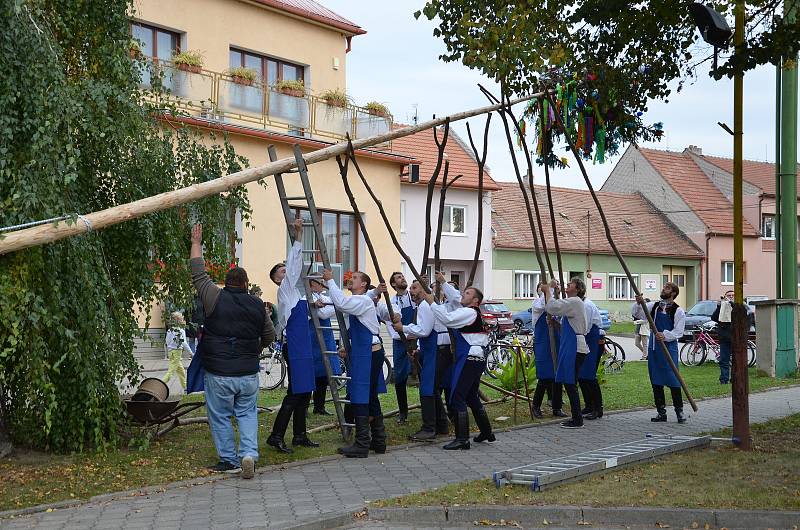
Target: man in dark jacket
{"points": [[236, 329], [723, 320]]}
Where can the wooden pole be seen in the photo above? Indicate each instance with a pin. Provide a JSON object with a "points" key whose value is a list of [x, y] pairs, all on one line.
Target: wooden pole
{"points": [[504, 391], [431, 188], [518, 351], [624, 265], [546, 146], [481, 160], [48, 233]]}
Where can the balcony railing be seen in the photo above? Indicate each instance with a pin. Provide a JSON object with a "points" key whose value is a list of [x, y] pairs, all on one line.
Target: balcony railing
{"points": [[217, 96]]}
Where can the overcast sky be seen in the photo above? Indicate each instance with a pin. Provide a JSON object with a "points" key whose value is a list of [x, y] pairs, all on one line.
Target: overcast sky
{"points": [[397, 63]]}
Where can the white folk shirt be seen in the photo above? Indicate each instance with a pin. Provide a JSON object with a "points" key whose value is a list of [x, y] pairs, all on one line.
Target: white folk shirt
{"points": [[399, 301], [669, 335], [360, 306], [326, 311], [458, 318], [383, 314], [288, 292], [452, 301], [424, 324], [572, 309], [537, 307], [593, 317]]}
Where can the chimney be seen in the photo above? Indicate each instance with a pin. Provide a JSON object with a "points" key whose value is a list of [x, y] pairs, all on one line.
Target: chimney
{"points": [[695, 150]]}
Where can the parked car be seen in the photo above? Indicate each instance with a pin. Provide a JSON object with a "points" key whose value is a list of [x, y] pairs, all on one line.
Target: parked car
{"points": [[701, 312], [522, 320], [606, 321], [496, 313]]}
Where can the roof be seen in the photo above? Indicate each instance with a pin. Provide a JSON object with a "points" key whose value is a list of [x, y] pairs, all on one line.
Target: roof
{"points": [[636, 226], [315, 11], [422, 146], [696, 190], [759, 174]]}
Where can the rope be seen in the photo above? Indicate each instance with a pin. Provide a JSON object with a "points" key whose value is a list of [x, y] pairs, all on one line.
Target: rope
{"points": [[51, 220]]}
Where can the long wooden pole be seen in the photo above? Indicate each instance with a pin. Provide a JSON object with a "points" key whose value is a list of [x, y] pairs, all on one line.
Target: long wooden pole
{"points": [[48, 233], [481, 160], [431, 188], [546, 146], [624, 265]]}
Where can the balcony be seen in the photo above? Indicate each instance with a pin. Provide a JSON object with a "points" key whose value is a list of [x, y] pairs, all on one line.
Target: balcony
{"points": [[216, 96]]}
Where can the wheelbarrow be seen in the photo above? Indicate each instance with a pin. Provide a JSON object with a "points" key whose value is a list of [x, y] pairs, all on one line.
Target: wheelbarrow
{"points": [[149, 408]]}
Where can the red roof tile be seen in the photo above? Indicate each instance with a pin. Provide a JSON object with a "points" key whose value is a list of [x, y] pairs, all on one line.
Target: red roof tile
{"points": [[423, 148], [696, 190], [314, 11], [759, 174], [636, 226]]}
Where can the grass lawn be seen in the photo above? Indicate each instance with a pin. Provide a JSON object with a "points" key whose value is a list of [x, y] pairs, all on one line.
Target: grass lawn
{"points": [[717, 477], [622, 327], [28, 478]]}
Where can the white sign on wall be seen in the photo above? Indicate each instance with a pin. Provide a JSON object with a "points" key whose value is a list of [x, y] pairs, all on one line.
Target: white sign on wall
{"points": [[650, 285]]}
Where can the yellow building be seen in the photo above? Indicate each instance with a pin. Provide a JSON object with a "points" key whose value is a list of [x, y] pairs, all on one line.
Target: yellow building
{"points": [[277, 41]]}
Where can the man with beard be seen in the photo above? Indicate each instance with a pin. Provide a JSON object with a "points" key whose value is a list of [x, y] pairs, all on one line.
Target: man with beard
{"points": [[670, 320]]}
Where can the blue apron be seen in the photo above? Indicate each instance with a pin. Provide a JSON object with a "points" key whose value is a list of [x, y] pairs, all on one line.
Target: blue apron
{"points": [[400, 360], [660, 372], [428, 351], [196, 374], [330, 345], [567, 351], [589, 367], [541, 349], [360, 362], [298, 341], [462, 352]]}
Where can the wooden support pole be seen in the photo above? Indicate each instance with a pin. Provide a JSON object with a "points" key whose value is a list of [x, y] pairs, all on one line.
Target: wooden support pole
{"points": [[621, 260], [440, 145], [546, 148], [48, 233], [481, 160]]}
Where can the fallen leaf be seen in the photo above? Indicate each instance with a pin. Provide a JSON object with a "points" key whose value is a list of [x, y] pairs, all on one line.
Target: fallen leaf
{"points": [[545, 522], [584, 523], [662, 525]]}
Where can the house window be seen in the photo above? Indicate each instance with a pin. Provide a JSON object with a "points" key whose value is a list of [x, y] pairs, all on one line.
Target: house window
{"points": [[525, 283], [402, 216], [269, 70], [453, 219], [340, 234], [727, 274], [619, 288], [768, 226], [157, 44]]}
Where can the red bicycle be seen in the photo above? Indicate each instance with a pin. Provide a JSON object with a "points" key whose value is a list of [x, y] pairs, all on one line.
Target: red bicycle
{"points": [[695, 353]]}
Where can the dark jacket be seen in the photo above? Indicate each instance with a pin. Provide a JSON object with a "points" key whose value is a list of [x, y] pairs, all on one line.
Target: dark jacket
{"points": [[232, 334], [723, 328]]}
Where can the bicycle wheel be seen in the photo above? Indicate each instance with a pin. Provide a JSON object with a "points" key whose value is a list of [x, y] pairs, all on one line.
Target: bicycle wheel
{"points": [[272, 370], [690, 353], [751, 353], [492, 360], [619, 351], [387, 370]]}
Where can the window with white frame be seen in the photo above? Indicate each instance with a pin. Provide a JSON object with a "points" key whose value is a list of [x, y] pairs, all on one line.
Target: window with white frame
{"points": [[453, 220], [403, 216], [619, 288], [768, 226], [525, 283], [727, 273]]}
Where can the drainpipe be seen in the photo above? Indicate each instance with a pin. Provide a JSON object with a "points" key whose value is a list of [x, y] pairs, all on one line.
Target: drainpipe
{"points": [[708, 266]]}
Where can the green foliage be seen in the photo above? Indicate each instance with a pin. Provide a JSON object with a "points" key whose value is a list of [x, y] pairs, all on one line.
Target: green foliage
{"points": [[509, 377], [378, 109], [335, 97], [189, 58], [290, 84], [240, 71], [77, 135]]}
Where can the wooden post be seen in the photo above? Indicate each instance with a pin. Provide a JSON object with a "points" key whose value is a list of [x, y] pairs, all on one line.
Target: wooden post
{"points": [[620, 258], [440, 145], [481, 160], [546, 146]]}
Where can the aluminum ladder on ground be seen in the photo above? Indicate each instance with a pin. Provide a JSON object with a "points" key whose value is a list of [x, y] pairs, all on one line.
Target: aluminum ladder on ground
{"points": [[336, 383], [569, 468]]}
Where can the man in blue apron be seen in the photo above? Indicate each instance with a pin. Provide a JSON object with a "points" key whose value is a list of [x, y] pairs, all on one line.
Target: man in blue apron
{"points": [[451, 298], [421, 328], [366, 364], [297, 349], [401, 364], [590, 387], [543, 357], [572, 349], [670, 320], [325, 311], [470, 362]]}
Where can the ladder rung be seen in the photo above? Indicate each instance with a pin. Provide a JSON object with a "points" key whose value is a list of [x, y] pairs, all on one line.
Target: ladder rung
{"points": [[304, 251], [349, 424], [327, 327], [299, 198], [313, 276], [345, 401], [342, 377]]}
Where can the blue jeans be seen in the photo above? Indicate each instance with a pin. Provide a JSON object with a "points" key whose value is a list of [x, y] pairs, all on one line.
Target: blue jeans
{"points": [[228, 397], [724, 361]]}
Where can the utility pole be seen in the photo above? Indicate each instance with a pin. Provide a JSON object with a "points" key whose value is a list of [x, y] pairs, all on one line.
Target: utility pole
{"points": [[740, 383]]}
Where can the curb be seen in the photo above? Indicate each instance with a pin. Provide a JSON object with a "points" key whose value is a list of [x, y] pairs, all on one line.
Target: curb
{"points": [[197, 481], [588, 515], [327, 522]]}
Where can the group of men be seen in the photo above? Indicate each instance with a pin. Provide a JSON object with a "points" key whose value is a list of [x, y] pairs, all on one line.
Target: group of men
{"points": [[438, 330]]}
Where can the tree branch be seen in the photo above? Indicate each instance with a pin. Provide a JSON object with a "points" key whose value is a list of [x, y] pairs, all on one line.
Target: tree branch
{"points": [[481, 160]]}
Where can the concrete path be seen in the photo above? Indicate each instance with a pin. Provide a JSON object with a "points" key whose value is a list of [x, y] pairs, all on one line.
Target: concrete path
{"points": [[279, 498]]}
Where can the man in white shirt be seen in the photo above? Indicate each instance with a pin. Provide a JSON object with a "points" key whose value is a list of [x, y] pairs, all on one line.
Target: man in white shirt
{"points": [[293, 322], [572, 348], [325, 311], [587, 377], [543, 356], [670, 320], [470, 362], [401, 363], [366, 363]]}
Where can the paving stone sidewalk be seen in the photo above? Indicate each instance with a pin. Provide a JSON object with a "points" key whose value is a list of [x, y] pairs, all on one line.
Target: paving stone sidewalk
{"points": [[282, 498]]}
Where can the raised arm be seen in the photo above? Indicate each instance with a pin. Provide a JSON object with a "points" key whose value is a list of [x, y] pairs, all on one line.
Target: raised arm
{"points": [[207, 290], [424, 325], [459, 318], [352, 305]]}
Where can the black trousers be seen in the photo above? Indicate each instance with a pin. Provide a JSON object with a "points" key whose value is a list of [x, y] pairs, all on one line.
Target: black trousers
{"points": [[373, 408], [320, 393], [572, 390], [293, 405], [465, 392], [661, 402], [555, 390], [592, 393]]}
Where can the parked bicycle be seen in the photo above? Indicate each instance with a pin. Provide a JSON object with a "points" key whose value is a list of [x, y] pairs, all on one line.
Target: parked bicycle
{"points": [[272, 367], [614, 354], [695, 353], [501, 350]]}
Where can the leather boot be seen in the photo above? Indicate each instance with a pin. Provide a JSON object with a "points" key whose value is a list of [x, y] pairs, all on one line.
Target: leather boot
{"points": [[428, 431], [677, 402], [661, 406], [402, 403], [588, 396], [597, 402], [360, 446], [279, 429], [302, 440], [378, 443], [462, 432], [482, 420], [442, 425]]}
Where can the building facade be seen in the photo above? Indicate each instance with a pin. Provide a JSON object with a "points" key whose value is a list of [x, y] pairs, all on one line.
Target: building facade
{"points": [[654, 251]]}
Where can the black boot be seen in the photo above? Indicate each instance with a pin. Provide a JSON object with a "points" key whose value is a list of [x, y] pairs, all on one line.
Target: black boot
{"points": [[538, 396], [299, 436], [303, 440], [360, 446], [482, 420], [402, 403], [588, 396], [597, 401], [462, 432], [661, 404], [378, 443], [558, 413], [677, 402], [428, 431], [442, 424], [279, 429]]}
